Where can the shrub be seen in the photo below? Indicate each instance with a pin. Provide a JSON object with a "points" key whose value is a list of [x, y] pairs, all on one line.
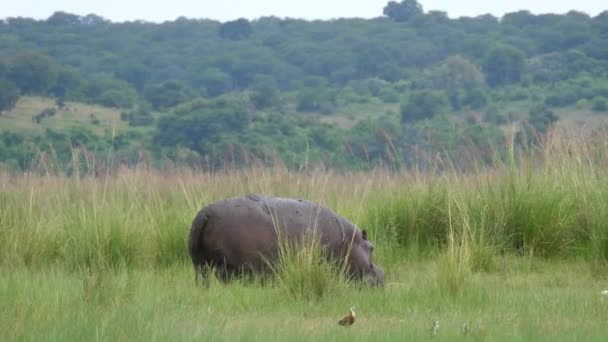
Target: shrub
{"points": [[599, 104]]}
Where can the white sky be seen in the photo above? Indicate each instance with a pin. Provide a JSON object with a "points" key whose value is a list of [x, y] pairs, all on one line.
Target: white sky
{"points": [[223, 10]]}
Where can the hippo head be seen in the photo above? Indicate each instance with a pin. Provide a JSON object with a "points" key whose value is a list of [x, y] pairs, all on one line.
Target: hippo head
{"points": [[375, 277], [362, 261]]}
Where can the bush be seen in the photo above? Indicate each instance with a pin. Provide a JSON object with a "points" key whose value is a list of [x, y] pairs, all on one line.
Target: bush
{"points": [[9, 95], [139, 117], [423, 104], [117, 99], [45, 113], [388, 95], [599, 104]]}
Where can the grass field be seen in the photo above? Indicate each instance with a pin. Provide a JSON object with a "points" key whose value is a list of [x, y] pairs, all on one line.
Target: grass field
{"points": [[529, 300], [517, 251], [96, 118], [21, 117]]}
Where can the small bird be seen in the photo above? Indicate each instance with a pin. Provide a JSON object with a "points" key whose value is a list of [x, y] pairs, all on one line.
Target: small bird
{"points": [[435, 327], [348, 320]]}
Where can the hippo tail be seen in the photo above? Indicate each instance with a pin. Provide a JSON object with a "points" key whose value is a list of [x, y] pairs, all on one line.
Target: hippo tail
{"points": [[195, 242]]}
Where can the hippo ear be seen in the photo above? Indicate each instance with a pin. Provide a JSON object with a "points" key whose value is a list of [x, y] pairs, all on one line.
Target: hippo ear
{"points": [[364, 233]]}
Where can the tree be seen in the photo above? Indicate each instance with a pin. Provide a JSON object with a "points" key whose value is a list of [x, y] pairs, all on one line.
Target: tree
{"points": [[476, 98], [503, 65], [215, 82], [134, 73], [61, 18], [519, 19], [34, 73], [423, 104], [456, 76], [559, 66], [200, 124], [140, 116], [456, 72], [9, 94], [106, 90], [68, 80], [116, 98], [317, 99], [541, 118], [403, 11], [168, 94], [236, 29], [264, 92], [599, 104]]}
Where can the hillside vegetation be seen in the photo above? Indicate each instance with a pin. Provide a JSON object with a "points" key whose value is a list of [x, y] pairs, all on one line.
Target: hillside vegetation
{"points": [[344, 93]]}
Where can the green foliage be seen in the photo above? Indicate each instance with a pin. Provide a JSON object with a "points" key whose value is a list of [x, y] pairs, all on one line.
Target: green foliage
{"points": [[569, 92], [388, 95], [318, 99], [600, 104], [45, 113], [236, 29], [17, 152], [9, 95], [476, 98], [3, 68], [68, 82], [493, 115], [115, 98], [424, 104], [33, 72], [504, 65], [560, 66], [541, 117], [216, 82], [265, 93], [454, 73], [304, 271], [403, 11], [168, 94], [372, 143], [61, 18], [141, 116], [201, 124], [106, 90], [348, 70]]}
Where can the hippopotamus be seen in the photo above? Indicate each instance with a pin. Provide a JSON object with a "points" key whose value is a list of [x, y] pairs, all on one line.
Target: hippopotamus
{"points": [[240, 235]]}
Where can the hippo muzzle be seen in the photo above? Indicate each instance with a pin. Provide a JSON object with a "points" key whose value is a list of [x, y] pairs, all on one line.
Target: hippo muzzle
{"points": [[375, 277]]}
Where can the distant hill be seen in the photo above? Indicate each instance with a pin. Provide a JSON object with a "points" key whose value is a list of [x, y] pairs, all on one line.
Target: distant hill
{"points": [[347, 92]]}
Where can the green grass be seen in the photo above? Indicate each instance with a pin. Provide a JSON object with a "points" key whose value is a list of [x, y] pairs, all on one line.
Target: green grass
{"points": [[519, 251], [529, 300], [19, 119]]}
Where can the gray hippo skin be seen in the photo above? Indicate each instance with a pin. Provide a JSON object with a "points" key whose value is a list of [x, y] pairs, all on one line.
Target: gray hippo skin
{"points": [[233, 234]]}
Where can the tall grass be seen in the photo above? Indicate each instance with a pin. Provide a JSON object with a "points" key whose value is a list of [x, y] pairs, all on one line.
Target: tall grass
{"points": [[304, 271], [552, 202]]}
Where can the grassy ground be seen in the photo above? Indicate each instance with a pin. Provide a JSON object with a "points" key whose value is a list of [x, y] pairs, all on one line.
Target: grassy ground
{"points": [[528, 300], [20, 118], [97, 118]]}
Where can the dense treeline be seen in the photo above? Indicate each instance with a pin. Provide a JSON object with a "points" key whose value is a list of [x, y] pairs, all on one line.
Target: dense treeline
{"points": [[248, 88]]}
